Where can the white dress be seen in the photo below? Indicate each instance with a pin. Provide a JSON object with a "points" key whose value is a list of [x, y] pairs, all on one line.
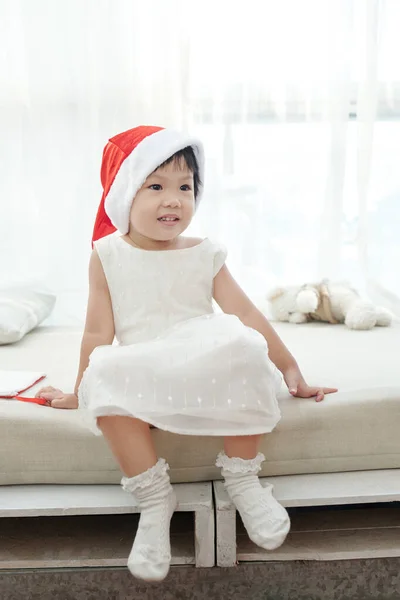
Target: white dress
{"points": [[178, 365]]}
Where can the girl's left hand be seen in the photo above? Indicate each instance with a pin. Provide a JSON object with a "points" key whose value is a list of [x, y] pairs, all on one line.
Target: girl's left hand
{"points": [[56, 398], [299, 388]]}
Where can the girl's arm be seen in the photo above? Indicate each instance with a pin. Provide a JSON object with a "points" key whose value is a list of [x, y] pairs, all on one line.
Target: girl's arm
{"points": [[232, 300], [99, 331], [99, 326]]}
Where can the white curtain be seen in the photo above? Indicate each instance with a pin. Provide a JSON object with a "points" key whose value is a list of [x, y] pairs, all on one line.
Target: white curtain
{"points": [[297, 102]]}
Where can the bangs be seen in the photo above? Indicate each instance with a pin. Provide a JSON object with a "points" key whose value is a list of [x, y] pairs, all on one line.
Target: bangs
{"points": [[182, 159]]}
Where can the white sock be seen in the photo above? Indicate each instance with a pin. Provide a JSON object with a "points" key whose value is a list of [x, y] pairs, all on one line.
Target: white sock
{"points": [[266, 521], [150, 557]]}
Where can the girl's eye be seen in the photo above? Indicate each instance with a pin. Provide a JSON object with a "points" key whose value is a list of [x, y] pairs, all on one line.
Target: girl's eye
{"points": [[156, 187], [185, 188]]}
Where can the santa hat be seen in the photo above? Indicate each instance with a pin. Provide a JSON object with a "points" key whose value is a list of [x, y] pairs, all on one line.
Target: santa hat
{"points": [[128, 159]]}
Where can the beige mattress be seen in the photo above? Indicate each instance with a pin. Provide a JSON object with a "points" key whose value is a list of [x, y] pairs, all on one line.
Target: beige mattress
{"points": [[357, 428]]}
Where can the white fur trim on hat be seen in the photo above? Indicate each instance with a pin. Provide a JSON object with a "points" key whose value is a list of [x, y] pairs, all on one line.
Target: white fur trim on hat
{"points": [[149, 154]]}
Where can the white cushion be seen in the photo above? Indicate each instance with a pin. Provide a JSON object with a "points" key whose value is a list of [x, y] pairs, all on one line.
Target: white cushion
{"points": [[21, 310], [355, 429]]}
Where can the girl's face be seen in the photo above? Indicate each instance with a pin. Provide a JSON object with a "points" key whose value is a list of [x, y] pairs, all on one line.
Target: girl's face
{"points": [[163, 207]]}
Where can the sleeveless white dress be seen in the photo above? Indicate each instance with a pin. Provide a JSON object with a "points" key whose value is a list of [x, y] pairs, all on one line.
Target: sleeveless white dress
{"points": [[177, 364]]}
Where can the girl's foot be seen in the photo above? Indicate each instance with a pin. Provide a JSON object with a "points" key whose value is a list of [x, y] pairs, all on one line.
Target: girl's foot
{"points": [[150, 556], [266, 521]]}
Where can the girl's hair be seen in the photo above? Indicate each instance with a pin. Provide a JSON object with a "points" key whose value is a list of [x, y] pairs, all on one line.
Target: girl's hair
{"points": [[186, 157]]}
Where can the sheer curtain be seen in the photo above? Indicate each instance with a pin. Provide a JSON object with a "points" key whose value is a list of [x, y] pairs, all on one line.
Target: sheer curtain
{"points": [[297, 102]]}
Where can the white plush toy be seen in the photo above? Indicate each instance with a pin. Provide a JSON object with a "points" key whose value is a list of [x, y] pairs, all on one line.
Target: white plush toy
{"points": [[327, 301]]}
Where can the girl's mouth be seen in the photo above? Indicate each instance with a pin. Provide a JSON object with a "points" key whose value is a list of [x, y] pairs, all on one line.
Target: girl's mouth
{"points": [[168, 220]]}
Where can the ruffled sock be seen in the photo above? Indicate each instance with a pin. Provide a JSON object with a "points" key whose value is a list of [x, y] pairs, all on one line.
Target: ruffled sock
{"points": [[266, 521], [150, 557]]}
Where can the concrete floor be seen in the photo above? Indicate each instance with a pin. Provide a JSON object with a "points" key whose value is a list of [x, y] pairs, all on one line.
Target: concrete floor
{"points": [[298, 580]]}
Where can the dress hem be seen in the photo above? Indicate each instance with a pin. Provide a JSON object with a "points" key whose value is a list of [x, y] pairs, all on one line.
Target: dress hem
{"points": [[250, 430]]}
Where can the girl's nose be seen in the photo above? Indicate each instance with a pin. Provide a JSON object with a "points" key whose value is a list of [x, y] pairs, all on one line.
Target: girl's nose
{"points": [[171, 201]]}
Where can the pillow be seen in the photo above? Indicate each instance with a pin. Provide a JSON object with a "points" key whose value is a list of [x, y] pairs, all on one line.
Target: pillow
{"points": [[22, 309]]}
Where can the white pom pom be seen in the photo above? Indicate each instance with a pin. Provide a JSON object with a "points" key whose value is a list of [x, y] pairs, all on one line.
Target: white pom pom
{"points": [[307, 301]]}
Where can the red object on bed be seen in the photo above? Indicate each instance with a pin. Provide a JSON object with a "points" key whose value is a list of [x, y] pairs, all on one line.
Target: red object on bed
{"points": [[41, 401]]}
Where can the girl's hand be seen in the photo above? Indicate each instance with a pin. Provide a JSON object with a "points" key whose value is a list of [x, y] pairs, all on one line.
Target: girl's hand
{"points": [[56, 398], [299, 388]]}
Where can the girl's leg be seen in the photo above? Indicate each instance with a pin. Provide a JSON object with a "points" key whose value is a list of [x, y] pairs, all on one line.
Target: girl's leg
{"points": [[147, 479], [266, 521], [243, 446], [131, 443]]}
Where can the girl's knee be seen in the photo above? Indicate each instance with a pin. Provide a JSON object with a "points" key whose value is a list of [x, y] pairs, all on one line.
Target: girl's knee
{"points": [[109, 421], [120, 421]]}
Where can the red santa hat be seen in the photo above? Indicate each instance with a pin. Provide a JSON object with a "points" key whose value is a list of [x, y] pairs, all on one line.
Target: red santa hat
{"points": [[128, 159]]}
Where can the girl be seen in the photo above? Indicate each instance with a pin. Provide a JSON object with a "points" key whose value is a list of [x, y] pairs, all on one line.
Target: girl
{"points": [[178, 365]]}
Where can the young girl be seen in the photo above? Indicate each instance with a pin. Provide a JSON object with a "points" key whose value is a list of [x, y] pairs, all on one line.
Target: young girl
{"points": [[178, 365]]}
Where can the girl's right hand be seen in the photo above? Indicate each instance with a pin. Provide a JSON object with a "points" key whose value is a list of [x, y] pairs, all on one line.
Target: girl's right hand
{"points": [[56, 398]]}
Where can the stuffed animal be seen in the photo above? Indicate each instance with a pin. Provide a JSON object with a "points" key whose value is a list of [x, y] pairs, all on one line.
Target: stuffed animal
{"points": [[326, 301]]}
